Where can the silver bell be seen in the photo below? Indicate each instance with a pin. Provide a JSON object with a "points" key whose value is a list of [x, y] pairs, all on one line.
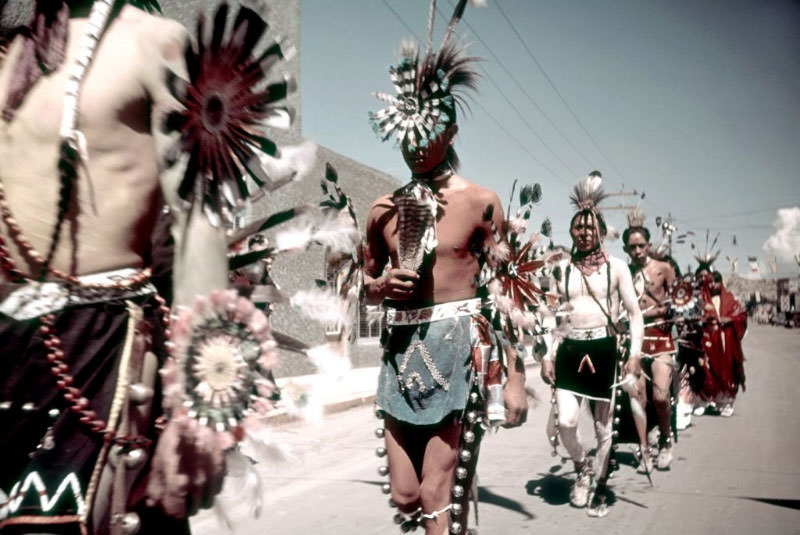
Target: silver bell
{"points": [[469, 437], [379, 432], [140, 393], [465, 455], [380, 451], [458, 491], [135, 458], [386, 489], [455, 528], [131, 523], [461, 473], [456, 508], [383, 470]]}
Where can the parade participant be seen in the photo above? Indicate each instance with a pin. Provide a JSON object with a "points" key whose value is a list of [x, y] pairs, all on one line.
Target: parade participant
{"points": [[82, 328], [652, 280], [725, 326], [421, 262], [583, 363]]}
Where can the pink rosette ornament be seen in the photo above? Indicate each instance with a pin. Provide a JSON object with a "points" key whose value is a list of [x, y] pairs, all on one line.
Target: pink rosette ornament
{"points": [[220, 374]]}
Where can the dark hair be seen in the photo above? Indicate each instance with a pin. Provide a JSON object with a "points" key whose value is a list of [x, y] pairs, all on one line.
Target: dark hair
{"points": [[626, 234], [717, 276], [598, 217], [703, 267], [674, 264]]}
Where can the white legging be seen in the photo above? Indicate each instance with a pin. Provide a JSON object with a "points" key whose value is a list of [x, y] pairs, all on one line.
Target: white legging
{"points": [[569, 406]]}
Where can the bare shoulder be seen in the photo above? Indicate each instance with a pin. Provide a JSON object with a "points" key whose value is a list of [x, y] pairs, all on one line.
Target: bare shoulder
{"points": [[380, 206], [149, 24], [618, 266], [162, 35], [478, 192], [665, 267]]}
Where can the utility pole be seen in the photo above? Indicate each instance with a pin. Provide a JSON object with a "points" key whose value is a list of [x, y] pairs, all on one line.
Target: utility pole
{"points": [[623, 194]]}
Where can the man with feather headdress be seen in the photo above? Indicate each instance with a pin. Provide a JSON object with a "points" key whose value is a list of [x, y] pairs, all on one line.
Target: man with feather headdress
{"points": [[423, 245], [653, 280], [583, 359], [92, 93]]}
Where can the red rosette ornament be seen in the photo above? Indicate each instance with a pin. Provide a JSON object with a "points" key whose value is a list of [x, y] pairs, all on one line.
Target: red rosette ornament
{"points": [[227, 103], [513, 265]]}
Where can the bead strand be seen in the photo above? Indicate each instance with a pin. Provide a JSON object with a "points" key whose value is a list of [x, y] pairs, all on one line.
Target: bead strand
{"points": [[28, 249], [78, 403]]}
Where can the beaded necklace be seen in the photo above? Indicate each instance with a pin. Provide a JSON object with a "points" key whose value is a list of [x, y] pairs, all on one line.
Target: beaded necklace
{"points": [[73, 143], [73, 151]]}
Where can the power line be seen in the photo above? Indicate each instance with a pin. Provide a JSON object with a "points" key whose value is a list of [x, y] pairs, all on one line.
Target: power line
{"points": [[557, 92], [492, 117], [525, 121], [524, 91], [568, 107]]}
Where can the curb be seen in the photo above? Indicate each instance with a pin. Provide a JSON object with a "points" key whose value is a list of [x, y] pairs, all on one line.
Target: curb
{"points": [[357, 379]]}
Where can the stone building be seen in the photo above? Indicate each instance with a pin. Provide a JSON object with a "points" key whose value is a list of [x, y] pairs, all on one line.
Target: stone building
{"points": [[360, 182]]}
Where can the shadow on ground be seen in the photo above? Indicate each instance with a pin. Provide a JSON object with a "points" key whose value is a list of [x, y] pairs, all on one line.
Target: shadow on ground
{"points": [[485, 495]]}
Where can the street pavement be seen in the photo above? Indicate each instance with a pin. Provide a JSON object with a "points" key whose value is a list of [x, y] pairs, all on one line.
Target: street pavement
{"points": [[737, 475]]}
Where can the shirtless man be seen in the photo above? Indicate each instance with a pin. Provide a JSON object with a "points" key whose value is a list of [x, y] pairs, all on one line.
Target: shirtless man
{"points": [[54, 430], [422, 437], [652, 280], [435, 321], [593, 287]]}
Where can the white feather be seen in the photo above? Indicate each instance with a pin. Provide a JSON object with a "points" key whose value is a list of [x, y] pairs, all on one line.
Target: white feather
{"points": [[496, 287], [338, 234], [328, 360], [612, 234], [321, 305], [292, 164], [296, 238]]}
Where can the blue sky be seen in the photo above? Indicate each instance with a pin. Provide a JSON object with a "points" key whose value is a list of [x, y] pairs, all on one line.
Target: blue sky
{"points": [[694, 102]]}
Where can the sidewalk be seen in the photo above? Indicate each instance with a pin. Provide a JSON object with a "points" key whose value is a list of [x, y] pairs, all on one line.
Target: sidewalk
{"points": [[333, 393]]}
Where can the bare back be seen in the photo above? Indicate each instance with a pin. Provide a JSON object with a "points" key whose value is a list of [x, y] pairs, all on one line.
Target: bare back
{"points": [[460, 232], [118, 194]]}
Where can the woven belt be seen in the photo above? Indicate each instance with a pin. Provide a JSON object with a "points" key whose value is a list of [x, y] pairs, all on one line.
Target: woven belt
{"points": [[589, 334], [415, 316]]}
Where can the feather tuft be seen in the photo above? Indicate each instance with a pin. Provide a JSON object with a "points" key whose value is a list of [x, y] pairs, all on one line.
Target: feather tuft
{"points": [[329, 360], [321, 305], [636, 218], [588, 193]]}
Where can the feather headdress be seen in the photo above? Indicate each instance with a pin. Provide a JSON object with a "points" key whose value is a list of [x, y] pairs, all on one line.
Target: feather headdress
{"points": [[636, 218], [428, 89], [588, 193], [706, 259]]}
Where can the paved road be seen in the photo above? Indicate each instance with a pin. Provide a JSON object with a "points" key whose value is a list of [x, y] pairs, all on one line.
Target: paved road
{"points": [[738, 475]]}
